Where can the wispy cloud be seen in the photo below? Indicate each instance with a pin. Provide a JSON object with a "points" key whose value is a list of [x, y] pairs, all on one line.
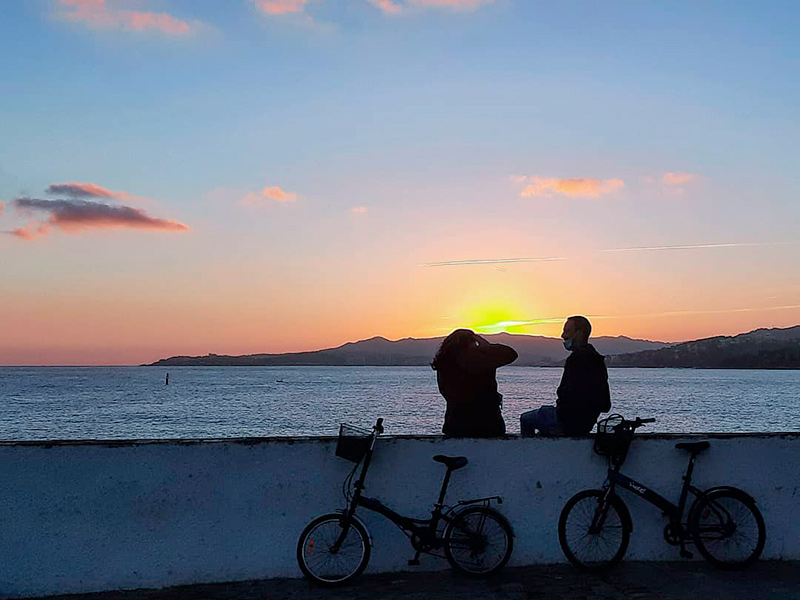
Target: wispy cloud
{"points": [[359, 210], [496, 261], [280, 7], [268, 195], [572, 187], [698, 246], [85, 190], [690, 312], [98, 15], [492, 261]]}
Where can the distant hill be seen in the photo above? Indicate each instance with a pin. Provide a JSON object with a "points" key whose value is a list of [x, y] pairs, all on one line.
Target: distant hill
{"points": [[534, 351], [759, 349]]}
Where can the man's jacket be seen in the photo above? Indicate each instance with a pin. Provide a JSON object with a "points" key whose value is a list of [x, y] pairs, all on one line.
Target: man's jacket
{"points": [[583, 392]]}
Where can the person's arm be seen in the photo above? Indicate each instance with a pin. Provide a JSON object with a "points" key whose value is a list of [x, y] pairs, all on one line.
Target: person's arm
{"points": [[604, 394], [485, 356]]}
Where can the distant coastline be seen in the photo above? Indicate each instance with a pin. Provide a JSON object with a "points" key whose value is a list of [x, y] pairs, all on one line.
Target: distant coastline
{"points": [[758, 349]]}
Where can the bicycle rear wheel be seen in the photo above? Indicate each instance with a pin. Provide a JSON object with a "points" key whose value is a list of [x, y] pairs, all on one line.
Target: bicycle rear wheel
{"points": [[602, 547], [728, 529], [321, 562], [478, 541]]}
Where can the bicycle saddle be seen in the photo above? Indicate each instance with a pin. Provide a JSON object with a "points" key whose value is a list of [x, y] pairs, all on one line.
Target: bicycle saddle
{"points": [[453, 463], [693, 447]]}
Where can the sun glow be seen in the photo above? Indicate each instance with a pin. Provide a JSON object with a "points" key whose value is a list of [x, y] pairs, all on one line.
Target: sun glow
{"points": [[497, 316]]}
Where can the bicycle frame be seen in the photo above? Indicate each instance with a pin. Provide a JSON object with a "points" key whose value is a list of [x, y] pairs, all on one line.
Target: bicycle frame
{"points": [[424, 529], [673, 511]]}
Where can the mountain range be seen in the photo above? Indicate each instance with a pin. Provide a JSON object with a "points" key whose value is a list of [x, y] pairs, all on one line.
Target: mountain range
{"points": [[534, 351], [758, 349]]}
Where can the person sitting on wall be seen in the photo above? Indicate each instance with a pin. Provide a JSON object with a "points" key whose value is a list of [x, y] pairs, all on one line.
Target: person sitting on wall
{"points": [[466, 366], [583, 392]]}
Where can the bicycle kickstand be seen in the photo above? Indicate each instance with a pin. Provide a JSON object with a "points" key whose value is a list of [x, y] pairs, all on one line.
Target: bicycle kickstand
{"points": [[685, 553], [414, 562]]}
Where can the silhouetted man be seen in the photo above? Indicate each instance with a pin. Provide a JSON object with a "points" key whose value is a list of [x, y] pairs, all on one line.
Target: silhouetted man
{"points": [[583, 392]]}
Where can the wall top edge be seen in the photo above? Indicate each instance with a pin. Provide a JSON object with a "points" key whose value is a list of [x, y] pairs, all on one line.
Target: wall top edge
{"points": [[289, 440]]}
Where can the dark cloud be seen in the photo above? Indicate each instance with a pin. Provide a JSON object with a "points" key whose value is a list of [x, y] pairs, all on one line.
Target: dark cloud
{"points": [[84, 191], [74, 216]]}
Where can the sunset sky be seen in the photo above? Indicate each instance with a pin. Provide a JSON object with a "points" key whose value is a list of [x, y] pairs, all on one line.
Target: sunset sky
{"points": [[195, 176]]}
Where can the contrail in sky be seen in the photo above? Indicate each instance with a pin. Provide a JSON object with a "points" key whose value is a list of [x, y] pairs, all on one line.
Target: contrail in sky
{"points": [[698, 246], [492, 261]]}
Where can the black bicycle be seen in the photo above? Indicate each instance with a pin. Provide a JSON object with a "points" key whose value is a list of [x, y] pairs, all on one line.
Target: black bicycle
{"points": [[595, 525], [335, 548]]}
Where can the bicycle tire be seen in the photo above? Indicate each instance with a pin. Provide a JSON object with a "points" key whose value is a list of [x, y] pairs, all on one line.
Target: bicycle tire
{"points": [[478, 541], [728, 520], [594, 551], [327, 568]]}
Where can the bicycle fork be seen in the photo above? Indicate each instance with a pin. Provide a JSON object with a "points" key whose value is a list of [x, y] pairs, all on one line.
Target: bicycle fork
{"points": [[601, 512]]}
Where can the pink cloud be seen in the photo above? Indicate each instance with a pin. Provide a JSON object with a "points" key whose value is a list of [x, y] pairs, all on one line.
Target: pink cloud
{"points": [[280, 7], [74, 216], [96, 14], [274, 192], [268, 195], [387, 6], [30, 232], [587, 187], [453, 4], [85, 190], [674, 178], [359, 210], [2, 207]]}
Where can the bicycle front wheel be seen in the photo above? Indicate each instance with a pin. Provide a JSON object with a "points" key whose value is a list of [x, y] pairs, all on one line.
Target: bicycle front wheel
{"points": [[323, 561], [478, 541], [728, 529], [593, 534]]}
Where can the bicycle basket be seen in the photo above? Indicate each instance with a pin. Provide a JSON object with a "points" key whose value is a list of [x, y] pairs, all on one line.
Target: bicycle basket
{"points": [[353, 443], [613, 439]]}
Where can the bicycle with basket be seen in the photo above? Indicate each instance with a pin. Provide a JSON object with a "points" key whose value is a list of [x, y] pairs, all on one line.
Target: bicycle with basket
{"points": [[335, 548], [594, 529]]}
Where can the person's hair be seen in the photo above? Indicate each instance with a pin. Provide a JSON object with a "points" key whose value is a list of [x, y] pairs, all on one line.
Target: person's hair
{"points": [[450, 346], [582, 324]]}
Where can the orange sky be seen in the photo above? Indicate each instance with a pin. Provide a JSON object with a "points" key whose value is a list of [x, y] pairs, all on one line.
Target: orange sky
{"points": [[267, 176]]}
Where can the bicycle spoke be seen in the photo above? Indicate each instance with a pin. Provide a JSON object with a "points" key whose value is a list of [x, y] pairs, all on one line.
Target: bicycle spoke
{"points": [[318, 553], [727, 529], [584, 546]]}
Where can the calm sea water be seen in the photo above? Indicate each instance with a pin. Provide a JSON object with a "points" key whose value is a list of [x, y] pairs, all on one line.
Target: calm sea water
{"points": [[133, 402]]}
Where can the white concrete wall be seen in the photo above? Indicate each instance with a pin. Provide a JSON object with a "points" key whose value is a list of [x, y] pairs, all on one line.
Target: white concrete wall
{"points": [[80, 517]]}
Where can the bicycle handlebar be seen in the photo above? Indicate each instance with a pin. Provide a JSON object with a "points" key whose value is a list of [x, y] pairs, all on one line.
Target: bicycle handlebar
{"points": [[638, 422]]}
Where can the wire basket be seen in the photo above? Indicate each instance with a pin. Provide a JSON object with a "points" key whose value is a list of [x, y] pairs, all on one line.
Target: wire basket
{"points": [[353, 443], [613, 438]]}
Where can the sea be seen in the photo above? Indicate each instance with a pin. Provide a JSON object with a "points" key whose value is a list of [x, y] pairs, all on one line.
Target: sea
{"points": [[76, 403]]}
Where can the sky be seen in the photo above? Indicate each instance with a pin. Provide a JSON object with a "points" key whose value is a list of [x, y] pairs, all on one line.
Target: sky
{"points": [[183, 177]]}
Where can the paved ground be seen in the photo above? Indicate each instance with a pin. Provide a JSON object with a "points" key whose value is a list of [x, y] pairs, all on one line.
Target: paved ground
{"points": [[630, 581]]}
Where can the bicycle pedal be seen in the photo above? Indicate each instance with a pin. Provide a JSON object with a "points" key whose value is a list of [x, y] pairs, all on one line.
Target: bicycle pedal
{"points": [[413, 562], [686, 554]]}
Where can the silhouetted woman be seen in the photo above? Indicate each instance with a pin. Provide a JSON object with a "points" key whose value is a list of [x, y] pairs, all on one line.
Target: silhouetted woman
{"points": [[466, 366]]}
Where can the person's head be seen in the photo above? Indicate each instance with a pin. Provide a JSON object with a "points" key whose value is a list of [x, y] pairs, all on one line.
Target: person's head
{"points": [[577, 330], [451, 346]]}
